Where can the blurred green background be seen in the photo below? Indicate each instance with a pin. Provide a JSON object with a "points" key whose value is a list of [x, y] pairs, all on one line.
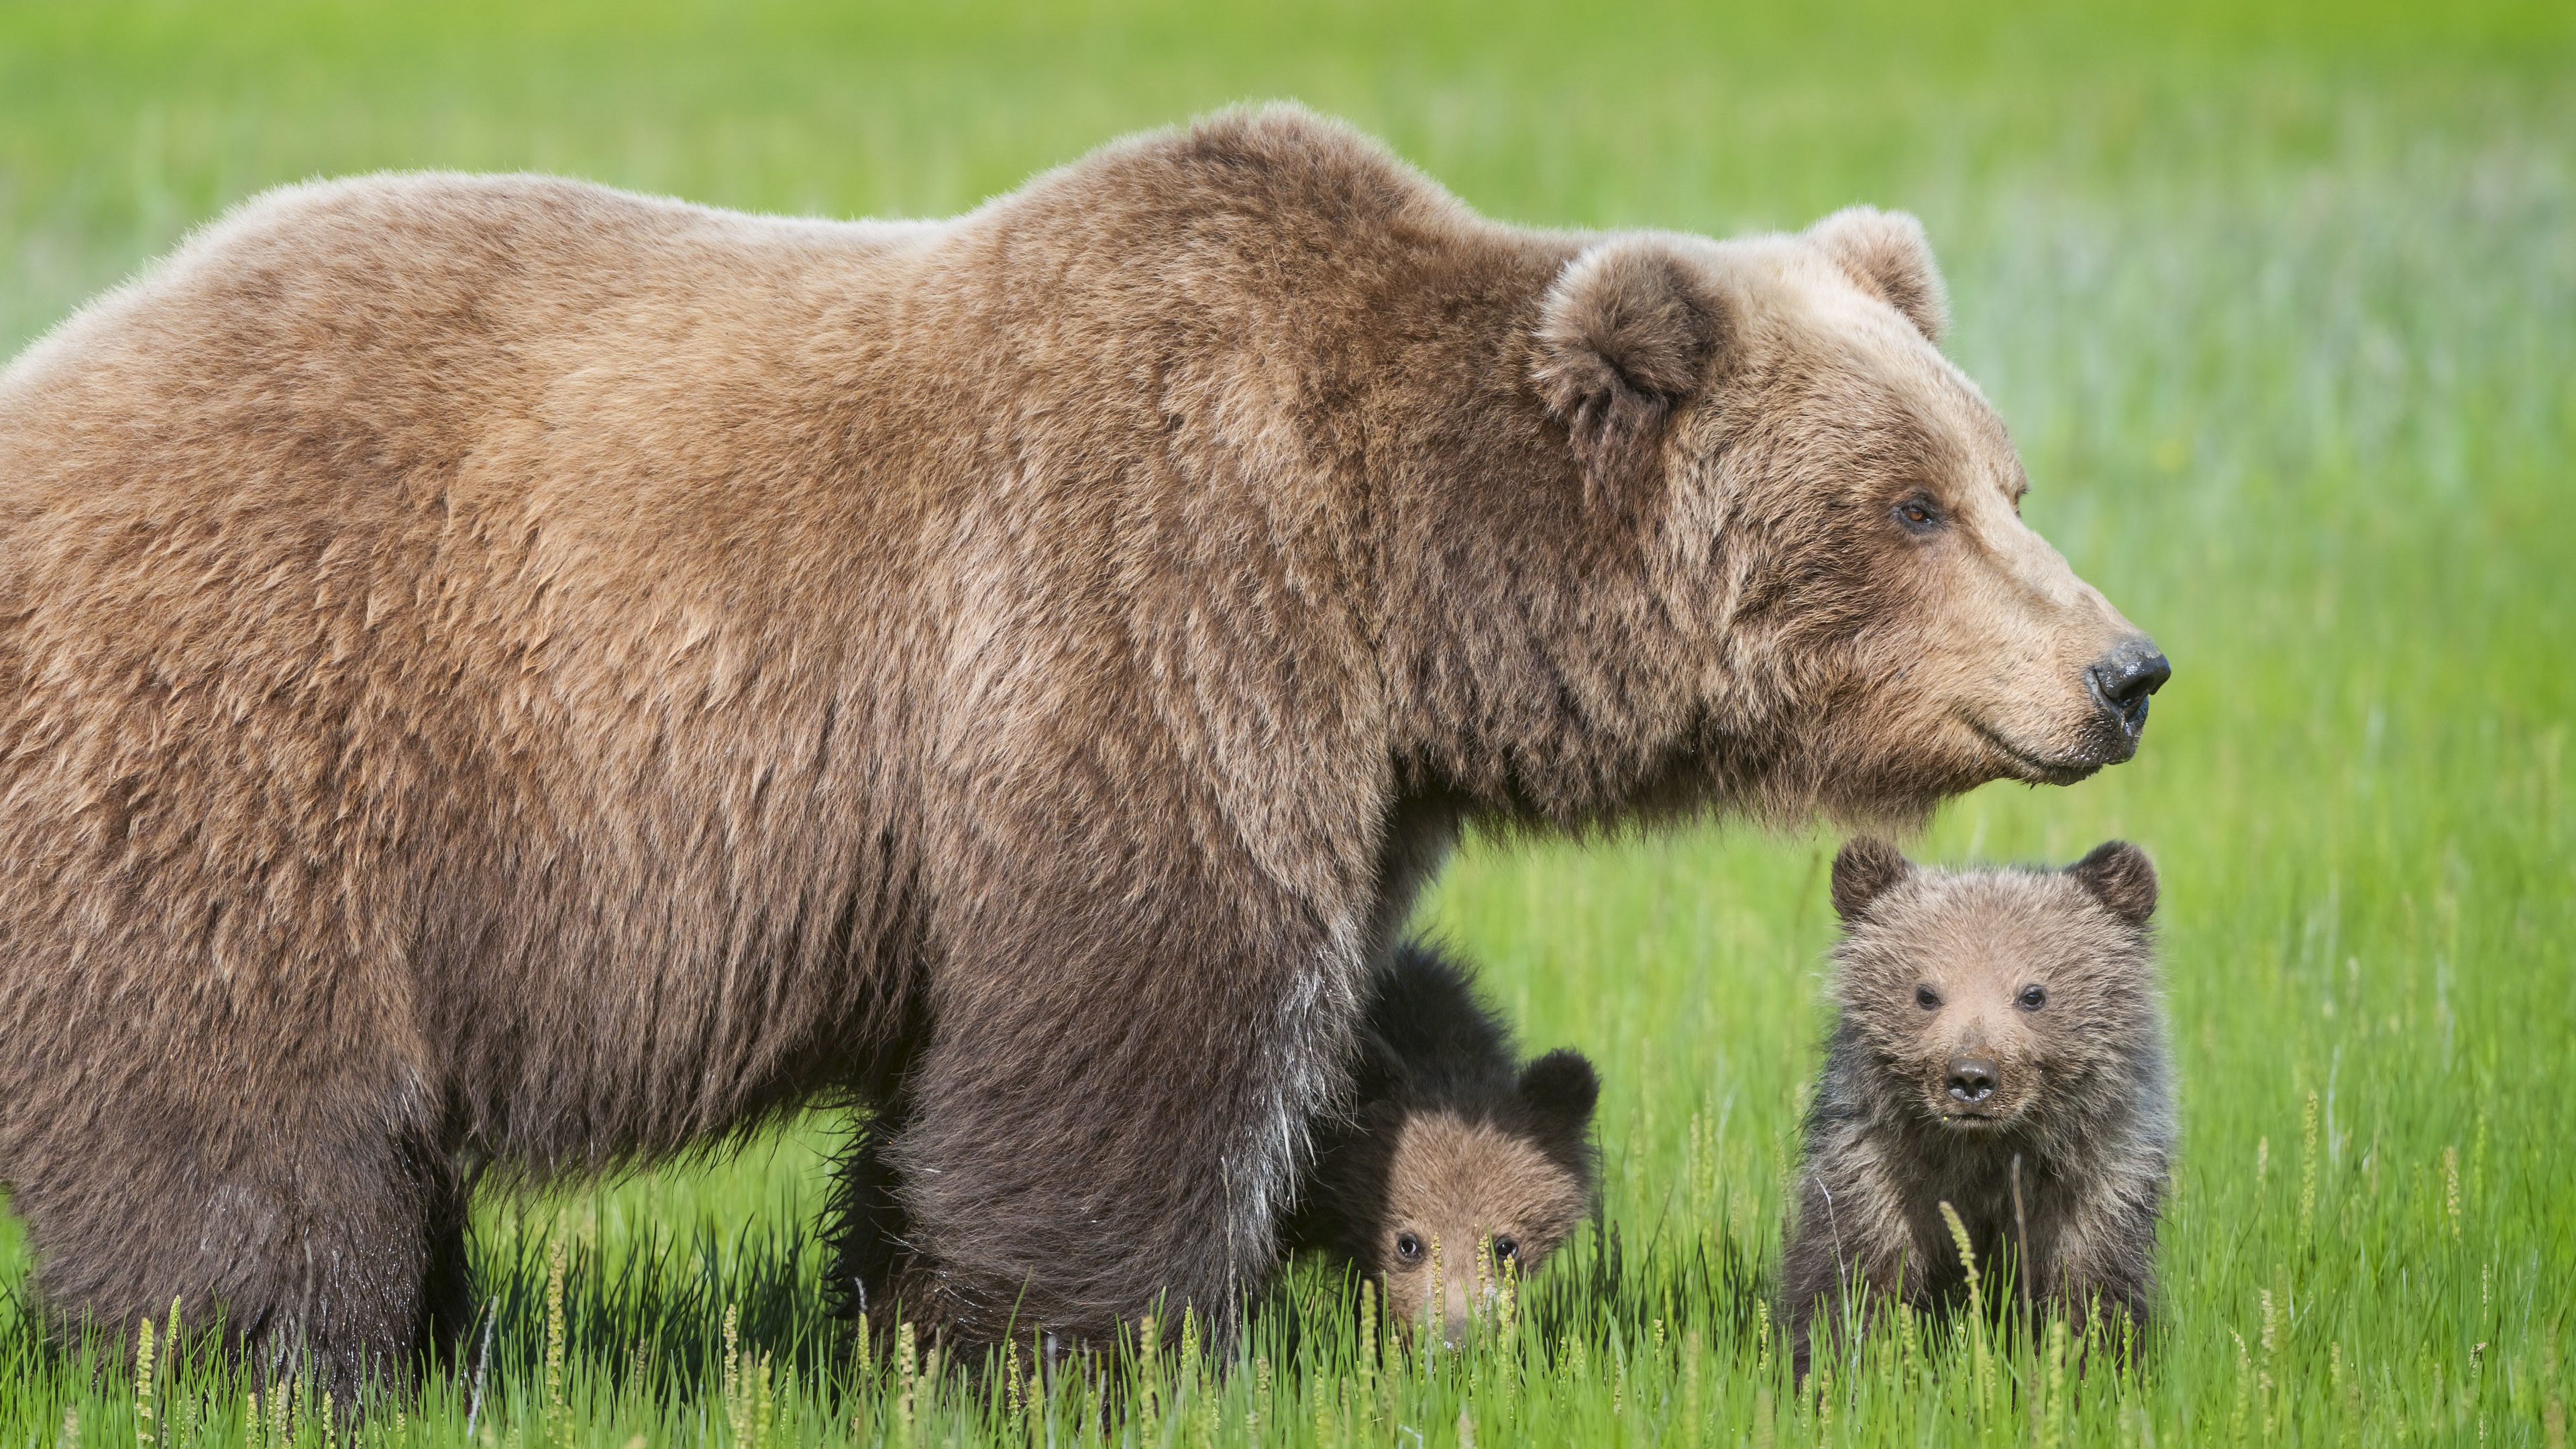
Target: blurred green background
{"points": [[2280, 303]]}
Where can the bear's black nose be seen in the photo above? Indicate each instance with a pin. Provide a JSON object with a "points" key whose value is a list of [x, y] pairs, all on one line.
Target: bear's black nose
{"points": [[2123, 678], [1972, 1079]]}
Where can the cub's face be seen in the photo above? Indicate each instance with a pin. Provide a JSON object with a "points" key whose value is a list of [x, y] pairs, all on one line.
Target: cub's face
{"points": [[1470, 1199], [1466, 1203], [1839, 517], [1991, 997]]}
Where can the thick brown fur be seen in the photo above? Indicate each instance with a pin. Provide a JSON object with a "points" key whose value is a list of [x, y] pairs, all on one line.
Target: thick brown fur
{"points": [[1454, 1156], [498, 669], [1995, 1025]]}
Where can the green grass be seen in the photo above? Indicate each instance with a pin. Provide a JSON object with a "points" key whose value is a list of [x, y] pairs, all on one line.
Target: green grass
{"points": [[2282, 309]]}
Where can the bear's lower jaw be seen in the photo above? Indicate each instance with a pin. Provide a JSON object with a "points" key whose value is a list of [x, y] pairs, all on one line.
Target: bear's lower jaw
{"points": [[2030, 768], [1980, 1121], [1995, 1124]]}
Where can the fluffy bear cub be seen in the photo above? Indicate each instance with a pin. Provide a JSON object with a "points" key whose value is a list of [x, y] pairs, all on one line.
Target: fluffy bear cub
{"points": [[1452, 1149], [2001, 1049]]}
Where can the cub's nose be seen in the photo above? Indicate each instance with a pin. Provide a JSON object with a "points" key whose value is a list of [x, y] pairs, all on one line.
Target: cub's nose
{"points": [[2123, 678], [1972, 1079]]}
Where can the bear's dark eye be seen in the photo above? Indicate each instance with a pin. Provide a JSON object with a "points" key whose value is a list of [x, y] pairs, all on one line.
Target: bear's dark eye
{"points": [[2032, 998], [1918, 515], [1927, 998], [1408, 1248], [1506, 1247]]}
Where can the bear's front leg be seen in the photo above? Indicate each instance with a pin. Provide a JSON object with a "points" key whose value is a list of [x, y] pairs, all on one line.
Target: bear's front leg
{"points": [[1111, 1113], [1846, 1254], [2102, 1264]]}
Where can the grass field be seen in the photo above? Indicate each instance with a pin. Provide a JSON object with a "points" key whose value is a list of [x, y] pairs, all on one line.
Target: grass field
{"points": [[2282, 309]]}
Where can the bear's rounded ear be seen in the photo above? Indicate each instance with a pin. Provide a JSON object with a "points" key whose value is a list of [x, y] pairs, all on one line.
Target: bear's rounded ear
{"points": [[1865, 869], [1622, 341], [2120, 876], [1888, 255], [1561, 1088]]}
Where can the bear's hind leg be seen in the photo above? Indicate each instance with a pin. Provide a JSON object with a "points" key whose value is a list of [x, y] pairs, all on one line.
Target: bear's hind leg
{"points": [[377, 1279], [339, 1264]]}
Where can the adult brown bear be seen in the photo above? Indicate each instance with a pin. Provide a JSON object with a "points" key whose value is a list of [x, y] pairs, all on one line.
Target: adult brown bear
{"points": [[500, 670]]}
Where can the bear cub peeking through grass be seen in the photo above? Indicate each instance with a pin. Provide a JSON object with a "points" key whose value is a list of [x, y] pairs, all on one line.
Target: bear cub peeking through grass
{"points": [[1456, 1165], [1451, 1161], [2000, 1049]]}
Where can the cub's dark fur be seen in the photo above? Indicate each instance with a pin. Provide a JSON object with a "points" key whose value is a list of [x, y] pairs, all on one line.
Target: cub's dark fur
{"points": [[1452, 1146], [1989, 1018]]}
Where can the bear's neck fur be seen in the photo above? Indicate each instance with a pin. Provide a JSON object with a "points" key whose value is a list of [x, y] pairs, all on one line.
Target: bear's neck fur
{"points": [[1373, 384]]}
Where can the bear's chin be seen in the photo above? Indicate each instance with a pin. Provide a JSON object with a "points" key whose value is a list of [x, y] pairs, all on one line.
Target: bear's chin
{"points": [[2015, 1120], [2032, 769]]}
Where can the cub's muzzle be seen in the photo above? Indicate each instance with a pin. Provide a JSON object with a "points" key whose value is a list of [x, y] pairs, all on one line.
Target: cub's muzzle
{"points": [[1970, 1080]]}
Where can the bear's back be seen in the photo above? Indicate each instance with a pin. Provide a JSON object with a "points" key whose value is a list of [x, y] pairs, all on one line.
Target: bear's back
{"points": [[404, 316]]}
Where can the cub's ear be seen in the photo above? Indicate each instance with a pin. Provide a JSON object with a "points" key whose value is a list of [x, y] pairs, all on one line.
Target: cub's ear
{"points": [[1886, 253], [2120, 876], [1561, 1088], [1622, 341], [1865, 869]]}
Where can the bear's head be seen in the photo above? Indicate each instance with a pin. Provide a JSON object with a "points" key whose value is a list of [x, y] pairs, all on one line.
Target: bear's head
{"points": [[1998, 1002], [1470, 1192], [1789, 563], [1452, 1175]]}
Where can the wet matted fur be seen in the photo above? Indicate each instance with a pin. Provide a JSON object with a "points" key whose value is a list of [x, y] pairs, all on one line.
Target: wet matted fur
{"points": [[499, 669], [1996, 1025]]}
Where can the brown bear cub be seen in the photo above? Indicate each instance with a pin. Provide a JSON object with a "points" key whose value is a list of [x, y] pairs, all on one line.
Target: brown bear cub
{"points": [[2001, 1050], [1454, 1160]]}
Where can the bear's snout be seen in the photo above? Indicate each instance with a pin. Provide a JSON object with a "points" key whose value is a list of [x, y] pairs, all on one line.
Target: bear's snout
{"points": [[1970, 1080], [2122, 681]]}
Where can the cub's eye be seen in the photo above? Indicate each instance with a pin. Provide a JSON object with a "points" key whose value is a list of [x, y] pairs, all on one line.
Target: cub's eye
{"points": [[1507, 1247], [1927, 998], [1918, 515], [1408, 1248], [2032, 998]]}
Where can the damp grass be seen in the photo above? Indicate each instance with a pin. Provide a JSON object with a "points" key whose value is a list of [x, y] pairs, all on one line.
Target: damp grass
{"points": [[2281, 306]]}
